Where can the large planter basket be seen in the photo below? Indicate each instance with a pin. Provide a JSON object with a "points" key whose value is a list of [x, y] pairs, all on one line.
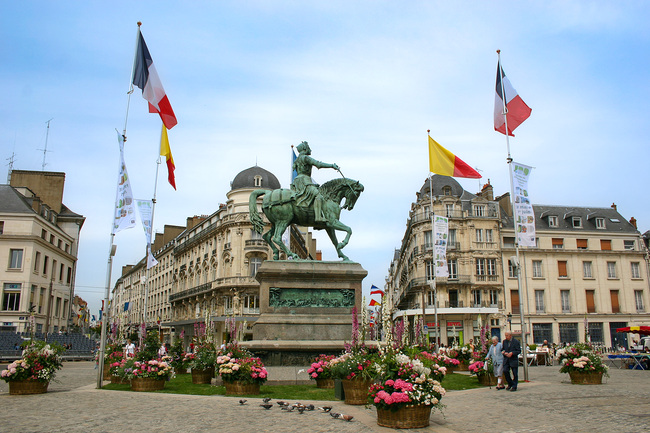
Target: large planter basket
{"points": [[119, 380], [587, 378], [405, 417], [202, 376], [325, 383], [239, 388], [25, 387], [147, 384], [356, 391], [463, 366], [107, 372], [487, 379]]}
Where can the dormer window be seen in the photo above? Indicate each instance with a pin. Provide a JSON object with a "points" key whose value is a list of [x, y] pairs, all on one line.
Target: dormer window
{"points": [[446, 190], [552, 221], [258, 181], [600, 223], [577, 222], [479, 210]]}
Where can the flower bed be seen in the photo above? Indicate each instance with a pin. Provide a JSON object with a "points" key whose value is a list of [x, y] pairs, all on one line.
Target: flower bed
{"points": [[410, 386], [39, 363]]}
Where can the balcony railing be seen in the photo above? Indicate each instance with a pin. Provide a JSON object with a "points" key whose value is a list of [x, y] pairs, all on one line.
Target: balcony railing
{"points": [[488, 278], [219, 282], [451, 246], [252, 243], [454, 304]]}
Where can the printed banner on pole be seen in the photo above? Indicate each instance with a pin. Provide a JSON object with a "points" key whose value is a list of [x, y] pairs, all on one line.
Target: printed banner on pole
{"points": [[523, 212], [124, 210], [440, 234], [145, 208]]}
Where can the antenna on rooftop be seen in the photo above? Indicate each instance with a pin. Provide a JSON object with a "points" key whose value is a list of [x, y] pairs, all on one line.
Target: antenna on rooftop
{"points": [[11, 166], [479, 179], [47, 134]]}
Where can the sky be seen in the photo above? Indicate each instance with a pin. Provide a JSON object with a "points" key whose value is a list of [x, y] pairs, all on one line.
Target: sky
{"points": [[361, 81]]}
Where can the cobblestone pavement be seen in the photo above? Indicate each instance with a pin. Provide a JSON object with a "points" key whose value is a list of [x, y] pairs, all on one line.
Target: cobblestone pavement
{"points": [[548, 403]]}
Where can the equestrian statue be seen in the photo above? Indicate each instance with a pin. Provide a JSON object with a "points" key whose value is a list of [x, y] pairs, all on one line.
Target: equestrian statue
{"points": [[306, 204]]}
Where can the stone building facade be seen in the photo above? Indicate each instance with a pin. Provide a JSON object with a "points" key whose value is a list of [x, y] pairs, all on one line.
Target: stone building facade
{"points": [[587, 276], [473, 292], [39, 241]]}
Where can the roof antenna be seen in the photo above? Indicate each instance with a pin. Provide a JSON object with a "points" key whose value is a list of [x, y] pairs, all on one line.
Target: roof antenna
{"points": [[479, 179], [47, 134]]}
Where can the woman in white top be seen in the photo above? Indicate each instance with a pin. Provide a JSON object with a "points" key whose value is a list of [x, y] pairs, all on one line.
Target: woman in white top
{"points": [[497, 360]]}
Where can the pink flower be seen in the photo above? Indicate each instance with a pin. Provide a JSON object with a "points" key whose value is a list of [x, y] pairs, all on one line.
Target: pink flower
{"points": [[314, 375]]}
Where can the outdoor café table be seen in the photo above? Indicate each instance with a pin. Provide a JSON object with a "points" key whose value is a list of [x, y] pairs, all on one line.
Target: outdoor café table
{"points": [[638, 360], [543, 357], [532, 357], [612, 357]]}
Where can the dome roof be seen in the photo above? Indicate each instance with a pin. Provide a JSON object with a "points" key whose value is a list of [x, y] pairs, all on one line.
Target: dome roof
{"points": [[246, 179], [439, 182]]}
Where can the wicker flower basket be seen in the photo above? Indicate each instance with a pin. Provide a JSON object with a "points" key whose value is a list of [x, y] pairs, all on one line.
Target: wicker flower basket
{"points": [[587, 378], [325, 383], [356, 391], [147, 384], [118, 380], [487, 379], [239, 388], [405, 417], [25, 387], [107, 372], [202, 376], [463, 366]]}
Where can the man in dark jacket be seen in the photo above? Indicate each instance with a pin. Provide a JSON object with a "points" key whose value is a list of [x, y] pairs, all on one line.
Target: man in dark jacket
{"points": [[511, 350]]}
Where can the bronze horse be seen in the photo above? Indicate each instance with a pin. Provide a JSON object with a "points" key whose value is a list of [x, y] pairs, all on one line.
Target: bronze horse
{"points": [[280, 208]]}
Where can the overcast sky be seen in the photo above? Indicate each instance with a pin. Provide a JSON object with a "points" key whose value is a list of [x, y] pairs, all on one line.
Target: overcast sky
{"points": [[361, 81]]}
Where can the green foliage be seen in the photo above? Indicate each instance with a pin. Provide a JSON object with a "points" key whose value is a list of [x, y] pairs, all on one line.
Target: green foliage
{"points": [[150, 347]]}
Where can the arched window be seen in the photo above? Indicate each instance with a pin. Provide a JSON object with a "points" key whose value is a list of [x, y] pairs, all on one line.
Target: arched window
{"points": [[258, 180]]}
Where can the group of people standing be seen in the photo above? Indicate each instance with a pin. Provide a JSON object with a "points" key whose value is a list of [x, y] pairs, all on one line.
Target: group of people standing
{"points": [[505, 359]]}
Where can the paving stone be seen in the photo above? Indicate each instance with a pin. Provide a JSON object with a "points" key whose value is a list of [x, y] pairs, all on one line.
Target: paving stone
{"points": [[548, 403]]}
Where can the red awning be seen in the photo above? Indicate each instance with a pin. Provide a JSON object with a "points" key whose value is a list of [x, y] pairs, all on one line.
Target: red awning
{"points": [[643, 330]]}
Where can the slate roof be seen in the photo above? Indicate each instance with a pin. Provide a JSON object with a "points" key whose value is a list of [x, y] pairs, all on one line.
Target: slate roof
{"points": [[246, 179], [11, 201], [614, 221]]}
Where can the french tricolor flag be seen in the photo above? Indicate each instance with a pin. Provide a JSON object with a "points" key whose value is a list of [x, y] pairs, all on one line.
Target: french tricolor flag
{"points": [[516, 109], [146, 78]]}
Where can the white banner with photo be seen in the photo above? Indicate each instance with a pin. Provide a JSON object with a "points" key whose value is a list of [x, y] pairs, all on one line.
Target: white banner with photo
{"points": [[124, 210], [440, 235], [145, 209], [523, 212]]}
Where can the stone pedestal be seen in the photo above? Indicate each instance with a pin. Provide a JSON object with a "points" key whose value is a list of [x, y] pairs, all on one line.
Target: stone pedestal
{"points": [[305, 307]]}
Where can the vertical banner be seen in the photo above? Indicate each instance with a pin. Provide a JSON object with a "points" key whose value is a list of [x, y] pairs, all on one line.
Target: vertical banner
{"points": [[124, 210], [145, 208], [523, 212], [440, 234]]}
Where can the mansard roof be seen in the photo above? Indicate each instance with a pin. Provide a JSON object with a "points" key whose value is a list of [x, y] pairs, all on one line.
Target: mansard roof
{"points": [[246, 179]]}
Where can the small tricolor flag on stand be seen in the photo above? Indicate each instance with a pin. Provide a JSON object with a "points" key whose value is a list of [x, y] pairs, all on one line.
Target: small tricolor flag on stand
{"points": [[516, 109], [374, 290], [442, 161], [146, 78]]}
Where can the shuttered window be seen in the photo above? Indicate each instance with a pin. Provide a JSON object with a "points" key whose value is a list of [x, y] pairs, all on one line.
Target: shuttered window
{"points": [[558, 243], [616, 308], [582, 244], [514, 301], [561, 269], [591, 306], [605, 244]]}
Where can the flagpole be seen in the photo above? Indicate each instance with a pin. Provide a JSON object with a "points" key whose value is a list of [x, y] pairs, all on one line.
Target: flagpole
{"points": [[130, 92], [514, 213], [433, 284], [153, 208]]}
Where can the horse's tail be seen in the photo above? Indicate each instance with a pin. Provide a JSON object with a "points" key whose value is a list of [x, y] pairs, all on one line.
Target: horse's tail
{"points": [[253, 214]]}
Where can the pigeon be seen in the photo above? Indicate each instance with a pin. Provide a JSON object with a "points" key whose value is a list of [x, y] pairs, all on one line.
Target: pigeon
{"points": [[325, 408], [280, 403], [266, 399], [242, 401], [335, 415], [301, 409], [288, 408], [266, 406], [348, 418], [310, 407]]}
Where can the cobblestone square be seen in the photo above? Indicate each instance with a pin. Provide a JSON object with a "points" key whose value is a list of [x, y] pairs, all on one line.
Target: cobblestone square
{"points": [[548, 403]]}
